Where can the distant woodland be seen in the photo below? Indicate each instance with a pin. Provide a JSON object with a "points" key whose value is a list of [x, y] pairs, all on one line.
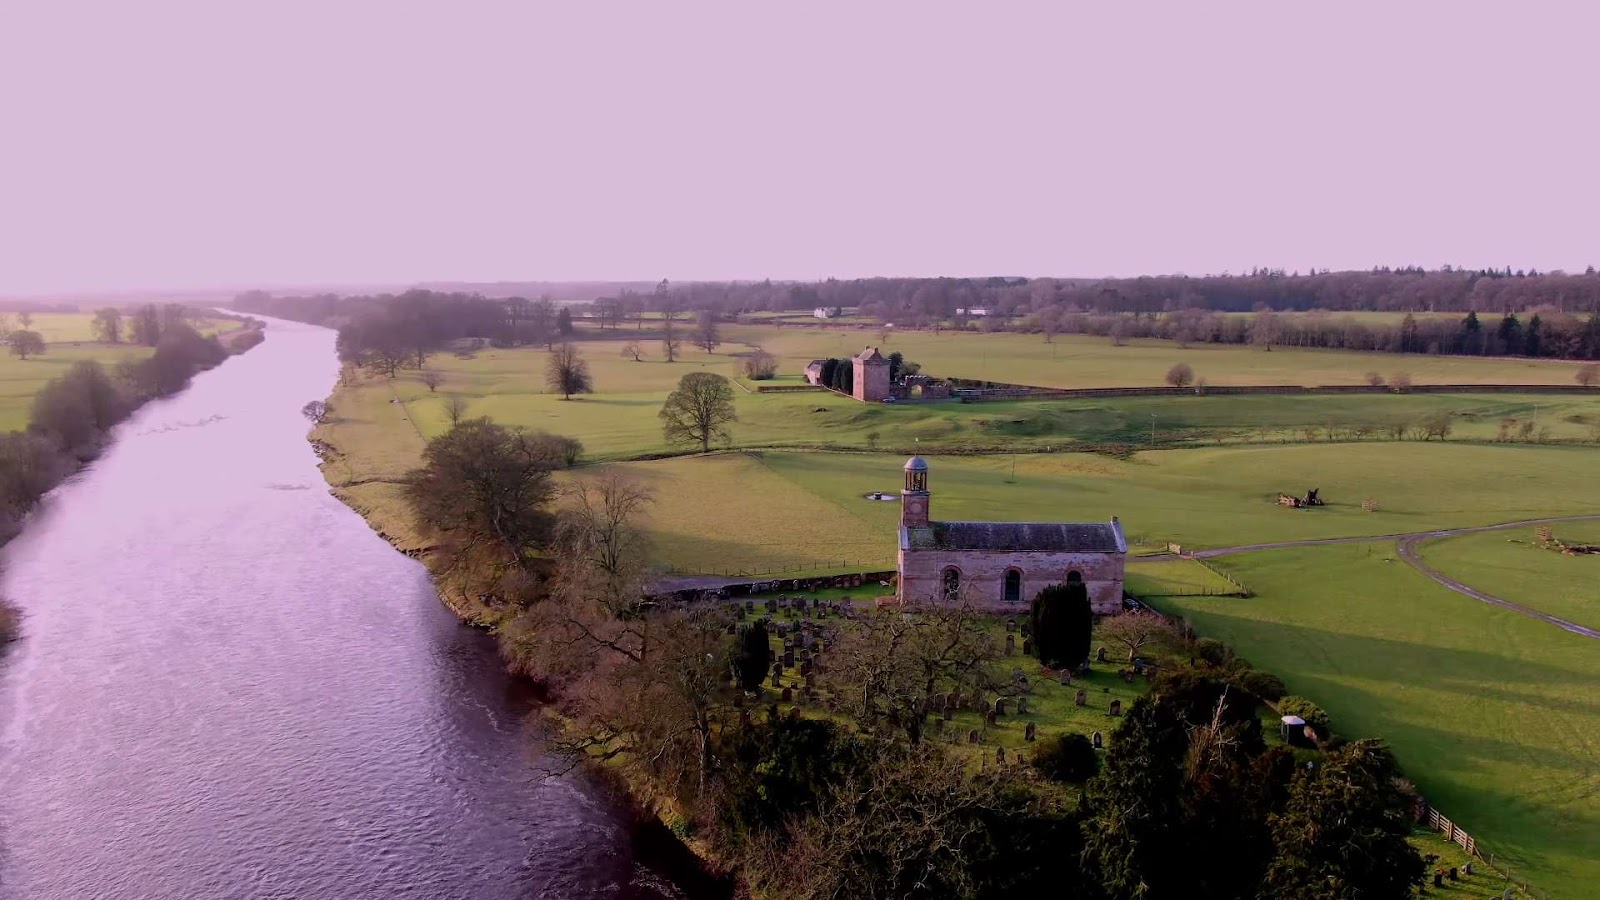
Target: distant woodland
{"points": [[1503, 312]]}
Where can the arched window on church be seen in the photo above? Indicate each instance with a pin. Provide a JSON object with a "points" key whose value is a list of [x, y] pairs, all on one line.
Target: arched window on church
{"points": [[1013, 592], [1074, 577], [951, 583]]}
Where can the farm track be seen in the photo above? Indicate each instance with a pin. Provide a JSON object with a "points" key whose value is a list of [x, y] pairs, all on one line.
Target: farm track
{"points": [[1407, 544]]}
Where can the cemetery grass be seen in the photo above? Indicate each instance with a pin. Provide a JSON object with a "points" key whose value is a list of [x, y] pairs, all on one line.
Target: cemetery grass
{"points": [[1494, 715], [1513, 565]]}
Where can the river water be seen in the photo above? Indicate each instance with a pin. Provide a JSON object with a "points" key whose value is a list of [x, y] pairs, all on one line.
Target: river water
{"points": [[229, 686]]}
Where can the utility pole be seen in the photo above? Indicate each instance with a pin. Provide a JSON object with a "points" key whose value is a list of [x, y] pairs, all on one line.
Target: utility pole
{"points": [[1152, 429]]}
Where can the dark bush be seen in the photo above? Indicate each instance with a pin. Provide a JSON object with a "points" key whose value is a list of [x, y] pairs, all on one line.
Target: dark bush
{"points": [[1265, 685], [1305, 709], [1212, 652], [755, 656], [1067, 757]]}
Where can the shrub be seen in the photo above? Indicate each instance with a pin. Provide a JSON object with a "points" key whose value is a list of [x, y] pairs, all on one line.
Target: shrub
{"points": [[1265, 685], [1180, 375], [1066, 757], [244, 340], [1588, 375], [565, 451], [1374, 379], [759, 365], [754, 656], [1212, 652], [1314, 715]]}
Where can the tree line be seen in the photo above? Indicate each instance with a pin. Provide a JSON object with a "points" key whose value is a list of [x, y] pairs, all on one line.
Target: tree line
{"points": [[72, 416]]}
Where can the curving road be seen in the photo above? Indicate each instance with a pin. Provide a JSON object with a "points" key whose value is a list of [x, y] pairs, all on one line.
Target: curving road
{"points": [[1406, 544]]}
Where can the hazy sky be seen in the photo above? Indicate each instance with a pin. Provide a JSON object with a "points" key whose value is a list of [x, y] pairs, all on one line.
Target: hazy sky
{"points": [[221, 143]]}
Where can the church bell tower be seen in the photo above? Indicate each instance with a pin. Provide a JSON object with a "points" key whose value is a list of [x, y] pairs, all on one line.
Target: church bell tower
{"points": [[914, 498]]}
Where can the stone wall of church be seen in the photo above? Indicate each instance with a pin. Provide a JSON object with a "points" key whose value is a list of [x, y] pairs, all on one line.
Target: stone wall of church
{"points": [[983, 576]]}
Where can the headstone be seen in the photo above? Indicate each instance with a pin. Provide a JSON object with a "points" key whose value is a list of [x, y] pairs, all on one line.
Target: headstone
{"points": [[1027, 647], [805, 668], [777, 669], [1022, 706], [1011, 644], [1127, 676], [787, 695], [1438, 878], [1467, 869], [1453, 876], [1029, 733], [988, 718], [775, 679], [1027, 686], [1000, 755], [1115, 708], [1011, 625], [788, 657], [749, 606], [1100, 654], [972, 736], [1138, 667], [794, 713], [985, 706], [1066, 679], [1098, 741], [1081, 700], [949, 714], [952, 701], [1000, 707]]}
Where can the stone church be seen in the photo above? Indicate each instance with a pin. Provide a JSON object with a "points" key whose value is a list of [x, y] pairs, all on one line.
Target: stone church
{"points": [[1000, 566]]}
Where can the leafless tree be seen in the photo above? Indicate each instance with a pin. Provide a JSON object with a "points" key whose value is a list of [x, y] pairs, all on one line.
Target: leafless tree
{"points": [[1400, 382], [432, 379], [698, 410], [1180, 375], [1588, 375], [759, 365], [567, 373], [1374, 379], [317, 411], [671, 340], [631, 349], [1118, 332], [455, 409], [601, 524], [706, 334], [1135, 630]]}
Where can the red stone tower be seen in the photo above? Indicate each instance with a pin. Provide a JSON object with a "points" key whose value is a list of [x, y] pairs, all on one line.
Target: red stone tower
{"points": [[871, 376]]}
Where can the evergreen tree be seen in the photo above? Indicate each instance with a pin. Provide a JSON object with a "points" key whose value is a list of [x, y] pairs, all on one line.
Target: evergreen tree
{"points": [[1532, 339], [755, 655], [1077, 625], [1510, 334], [564, 322], [1063, 624], [1342, 835]]}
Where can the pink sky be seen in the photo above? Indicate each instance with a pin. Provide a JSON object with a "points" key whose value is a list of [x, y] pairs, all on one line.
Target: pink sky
{"points": [[191, 144]]}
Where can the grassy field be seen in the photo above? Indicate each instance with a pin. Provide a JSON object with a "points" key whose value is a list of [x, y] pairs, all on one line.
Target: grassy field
{"points": [[1073, 361], [619, 420], [1514, 566], [1494, 715], [69, 340]]}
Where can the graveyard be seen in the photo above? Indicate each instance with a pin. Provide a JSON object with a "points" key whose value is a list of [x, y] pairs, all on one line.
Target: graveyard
{"points": [[1490, 712]]}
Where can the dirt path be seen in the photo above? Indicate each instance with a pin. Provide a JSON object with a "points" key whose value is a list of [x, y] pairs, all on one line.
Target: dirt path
{"points": [[1407, 544]]}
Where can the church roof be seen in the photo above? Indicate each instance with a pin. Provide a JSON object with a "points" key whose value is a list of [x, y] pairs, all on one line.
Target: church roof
{"points": [[871, 354], [1082, 537]]}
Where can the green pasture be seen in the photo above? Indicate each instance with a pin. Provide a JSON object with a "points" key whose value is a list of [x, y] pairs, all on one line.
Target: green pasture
{"points": [[619, 420], [1080, 361], [1494, 715], [21, 379], [1175, 578], [1513, 565]]}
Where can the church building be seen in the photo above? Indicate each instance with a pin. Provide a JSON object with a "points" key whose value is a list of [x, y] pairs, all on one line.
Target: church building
{"points": [[1000, 566]]}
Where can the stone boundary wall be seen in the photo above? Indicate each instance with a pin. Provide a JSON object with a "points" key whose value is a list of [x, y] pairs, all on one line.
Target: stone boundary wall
{"points": [[872, 581]]}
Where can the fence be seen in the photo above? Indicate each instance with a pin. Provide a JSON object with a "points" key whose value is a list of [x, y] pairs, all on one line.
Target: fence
{"points": [[995, 390], [851, 566]]}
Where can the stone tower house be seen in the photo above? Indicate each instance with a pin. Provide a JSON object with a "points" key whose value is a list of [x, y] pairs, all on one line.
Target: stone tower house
{"points": [[1000, 566], [871, 376]]}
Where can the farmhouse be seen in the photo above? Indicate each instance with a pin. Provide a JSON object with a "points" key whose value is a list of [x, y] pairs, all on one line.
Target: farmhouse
{"points": [[1001, 565]]}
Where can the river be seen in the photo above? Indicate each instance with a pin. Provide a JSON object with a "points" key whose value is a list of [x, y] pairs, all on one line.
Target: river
{"points": [[230, 687]]}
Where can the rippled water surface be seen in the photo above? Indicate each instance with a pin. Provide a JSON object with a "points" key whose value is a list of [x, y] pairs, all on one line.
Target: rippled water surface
{"points": [[230, 687]]}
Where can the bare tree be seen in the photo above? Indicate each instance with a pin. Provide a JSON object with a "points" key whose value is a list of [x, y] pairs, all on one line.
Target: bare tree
{"points": [[1180, 375], [631, 348], [1400, 382], [759, 365], [1264, 328], [1374, 379], [706, 335], [455, 409], [317, 411], [1588, 375], [1118, 332], [698, 410], [108, 324], [890, 663], [25, 343], [601, 526], [1135, 630], [432, 379], [567, 373], [671, 340]]}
